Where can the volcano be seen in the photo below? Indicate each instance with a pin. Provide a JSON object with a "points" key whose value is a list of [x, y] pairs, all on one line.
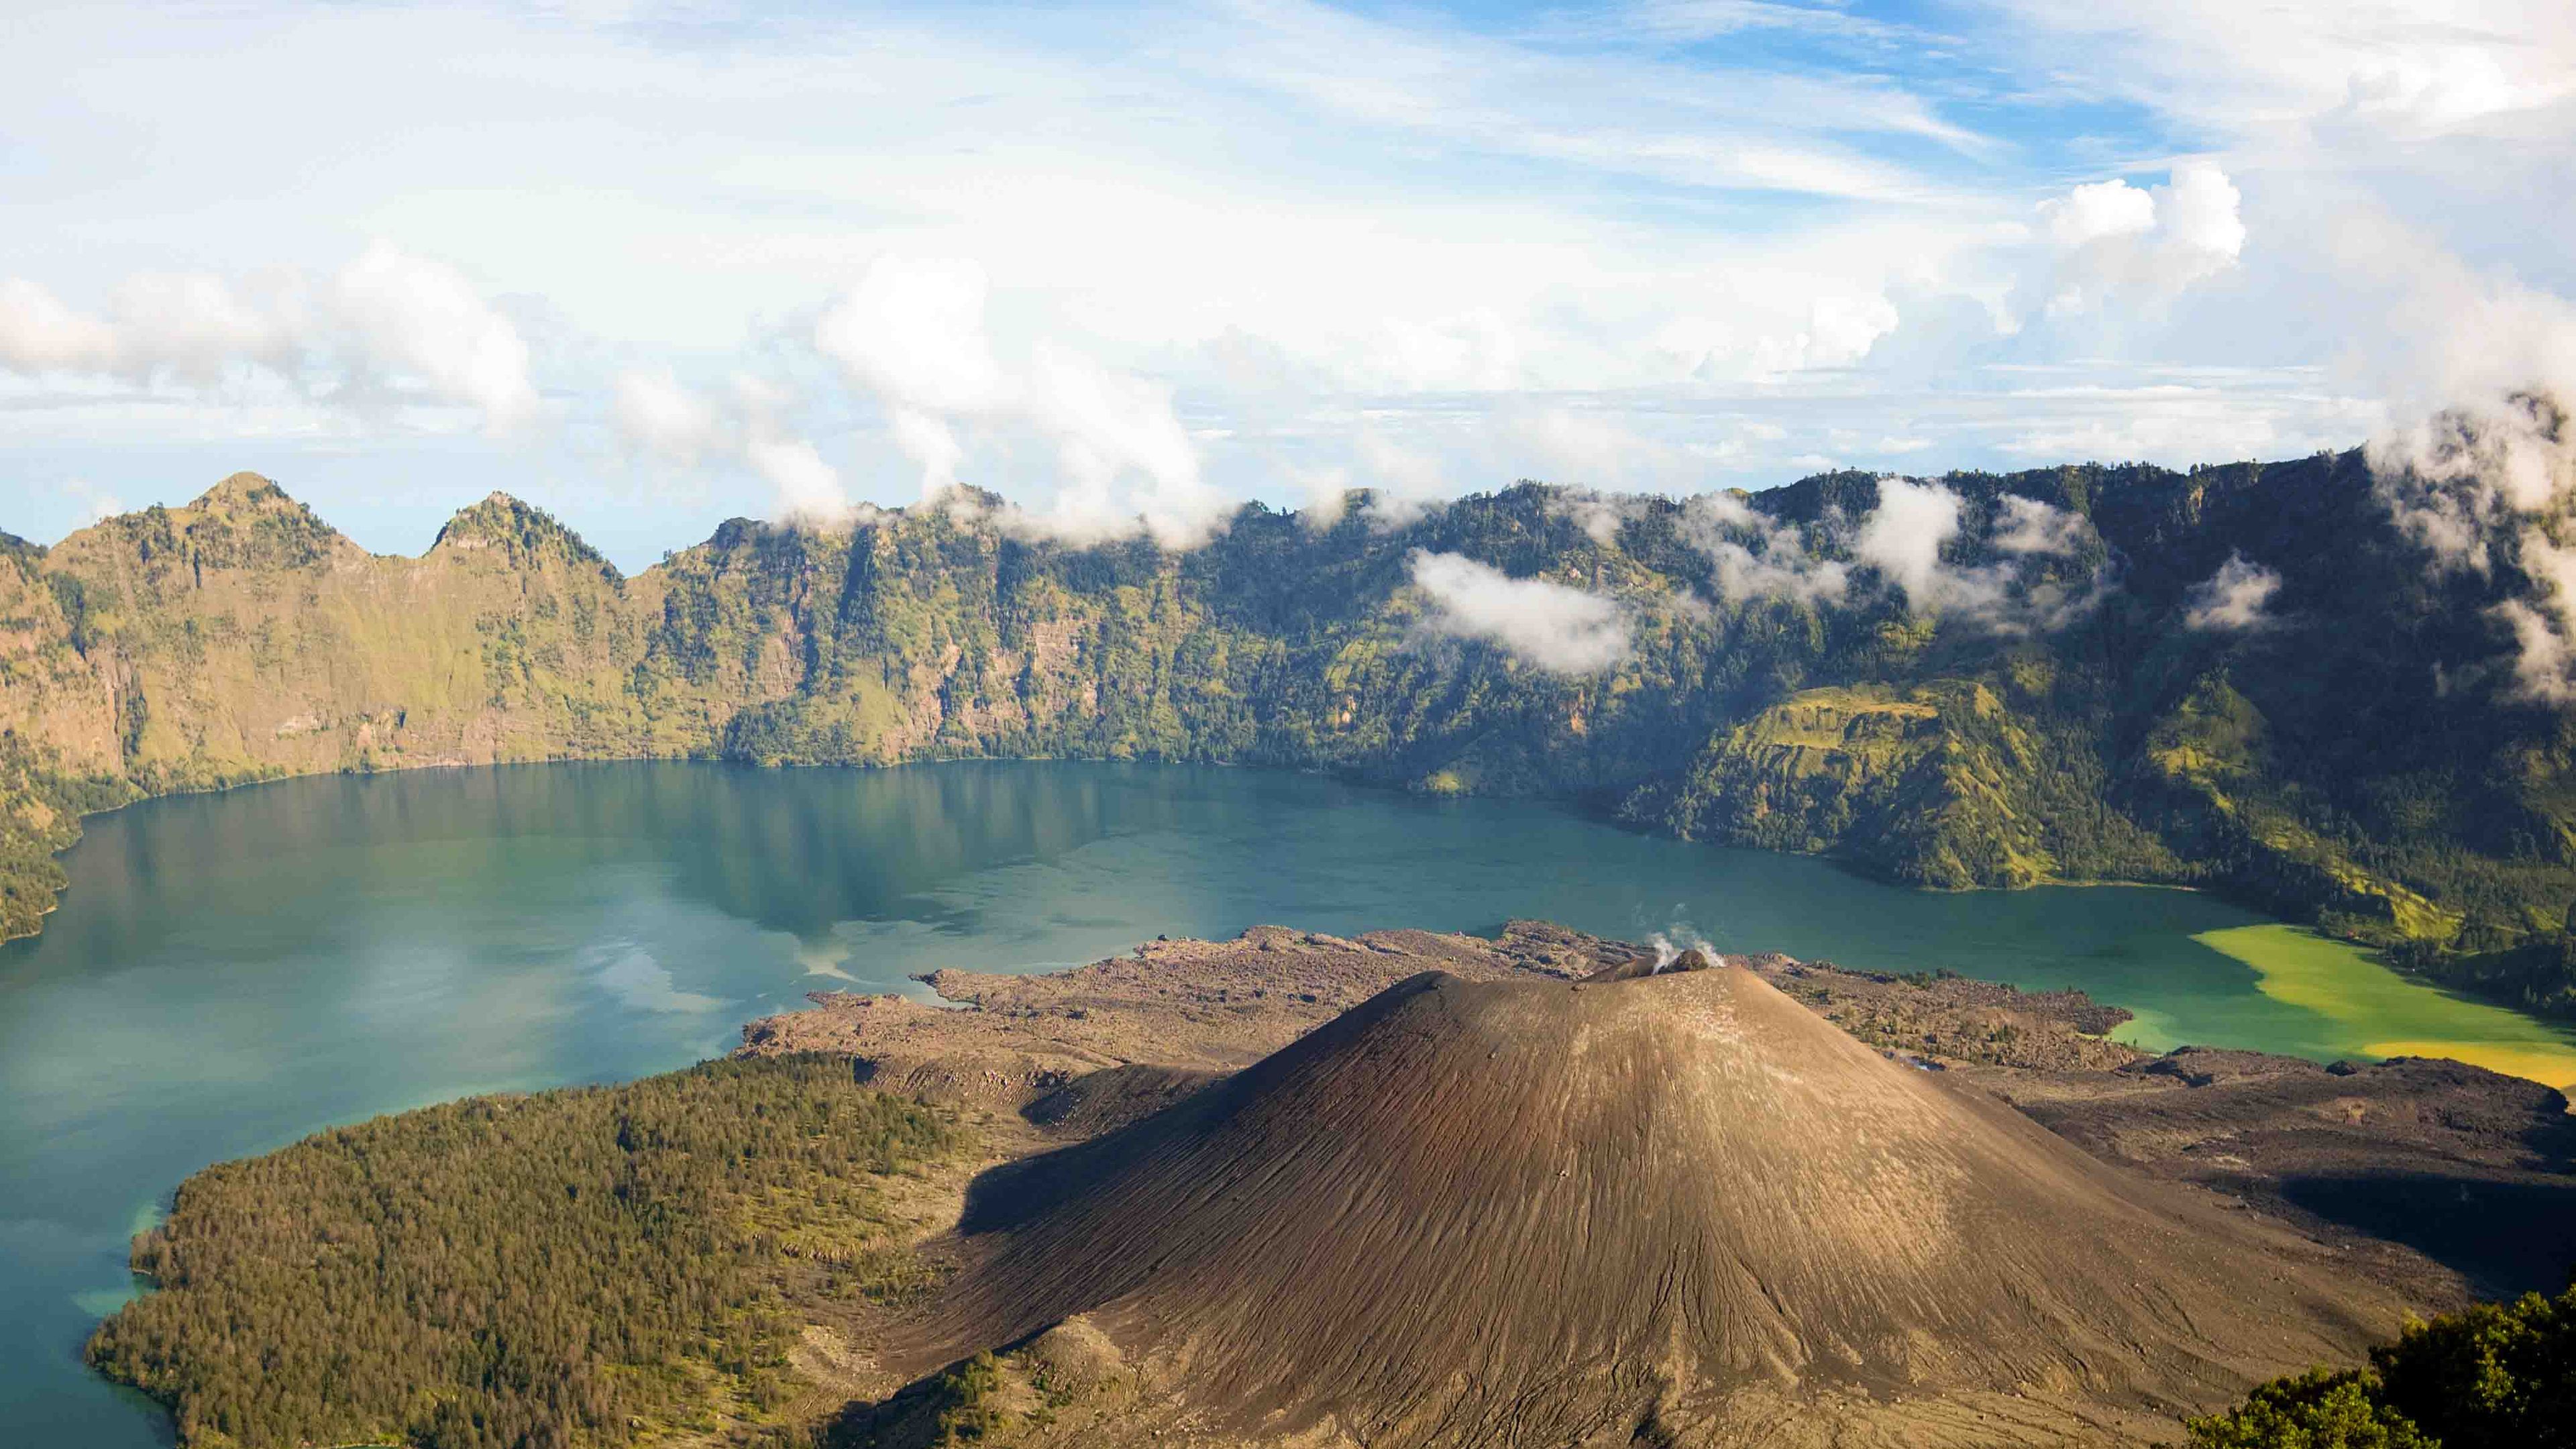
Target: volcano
{"points": [[1673, 1207]]}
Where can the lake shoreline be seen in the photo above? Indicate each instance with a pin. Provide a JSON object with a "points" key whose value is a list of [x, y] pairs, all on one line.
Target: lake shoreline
{"points": [[1585, 803], [233, 970], [1048, 1060]]}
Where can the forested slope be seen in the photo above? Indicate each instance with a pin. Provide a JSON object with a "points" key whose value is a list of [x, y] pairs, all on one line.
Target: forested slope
{"points": [[2048, 695], [593, 1266]]}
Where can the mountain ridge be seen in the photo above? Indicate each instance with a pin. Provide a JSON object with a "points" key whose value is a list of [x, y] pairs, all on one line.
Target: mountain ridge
{"points": [[2029, 705]]}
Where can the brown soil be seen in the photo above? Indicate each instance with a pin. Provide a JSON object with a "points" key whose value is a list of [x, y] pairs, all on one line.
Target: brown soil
{"points": [[1569, 1213], [1207, 1006], [1506, 1204], [2451, 1179], [1956, 1020]]}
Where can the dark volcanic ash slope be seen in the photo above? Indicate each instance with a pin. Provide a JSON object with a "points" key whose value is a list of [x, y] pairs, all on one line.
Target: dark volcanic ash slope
{"points": [[1680, 1207]]}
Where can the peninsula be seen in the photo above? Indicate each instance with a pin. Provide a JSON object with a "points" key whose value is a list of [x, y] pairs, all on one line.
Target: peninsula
{"points": [[1227, 1190]]}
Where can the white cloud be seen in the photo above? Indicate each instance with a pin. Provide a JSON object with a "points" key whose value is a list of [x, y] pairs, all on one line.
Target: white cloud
{"points": [[2374, 148], [2432, 332], [2409, 68], [1902, 538], [1840, 330], [1599, 515], [1915, 521], [912, 334], [2237, 598], [1757, 556], [928, 440], [199, 326], [2479, 461], [2029, 526], [809, 489], [2544, 662], [2492, 490], [2098, 210], [1108, 428], [1551, 625], [751, 425], [388, 316], [190, 324], [806, 489], [96, 503], [912, 329], [655, 413], [2468, 479], [1616, 113], [2112, 242], [1592, 447], [1697, 20], [1478, 230], [39, 334], [1402, 481], [414, 315], [2199, 211]]}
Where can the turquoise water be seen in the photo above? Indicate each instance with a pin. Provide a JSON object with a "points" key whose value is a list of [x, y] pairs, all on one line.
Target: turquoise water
{"points": [[230, 972]]}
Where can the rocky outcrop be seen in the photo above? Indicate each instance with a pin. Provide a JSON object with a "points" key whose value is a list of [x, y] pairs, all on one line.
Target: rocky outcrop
{"points": [[2356, 762]]}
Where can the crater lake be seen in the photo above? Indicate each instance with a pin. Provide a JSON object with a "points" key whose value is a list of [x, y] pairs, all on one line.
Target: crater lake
{"points": [[230, 972]]}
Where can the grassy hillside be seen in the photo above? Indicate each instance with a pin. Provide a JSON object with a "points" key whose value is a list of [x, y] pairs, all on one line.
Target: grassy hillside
{"points": [[2356, 761]]}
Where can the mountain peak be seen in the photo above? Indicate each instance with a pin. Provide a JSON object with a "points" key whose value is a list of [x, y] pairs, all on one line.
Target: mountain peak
{"points": [[1424, 1181], [245, 521], [518, 533], [244, 489]]}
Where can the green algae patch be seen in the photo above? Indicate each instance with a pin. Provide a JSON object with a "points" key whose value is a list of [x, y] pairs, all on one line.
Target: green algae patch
{"points": [[2377, 1012]]}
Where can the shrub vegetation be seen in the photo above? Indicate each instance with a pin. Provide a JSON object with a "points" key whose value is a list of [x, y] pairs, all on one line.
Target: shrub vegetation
{"points": [[2498, 1376], [594, 1266]]}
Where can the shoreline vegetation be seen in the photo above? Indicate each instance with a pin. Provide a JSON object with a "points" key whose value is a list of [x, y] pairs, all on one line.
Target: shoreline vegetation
{"points": [[683, 1254], [2071, 725], [727, 1255]]}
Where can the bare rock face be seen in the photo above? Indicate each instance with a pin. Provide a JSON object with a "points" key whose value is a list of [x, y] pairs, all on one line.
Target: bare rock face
{"points": [[1676, 1206]]}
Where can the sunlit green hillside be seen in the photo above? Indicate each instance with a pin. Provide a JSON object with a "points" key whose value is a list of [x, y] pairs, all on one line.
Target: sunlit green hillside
{"points": [[2047, 712]]}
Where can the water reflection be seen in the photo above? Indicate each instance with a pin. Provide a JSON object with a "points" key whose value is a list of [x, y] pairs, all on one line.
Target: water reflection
{"points": [[230, 972]]}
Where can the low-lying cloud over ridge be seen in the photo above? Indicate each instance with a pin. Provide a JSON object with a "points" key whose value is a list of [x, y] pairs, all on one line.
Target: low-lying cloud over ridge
{"points": [[910, 338], [1554, 626], [2492, 491], [1130, 270], [2236, 598], [1906, 542]]}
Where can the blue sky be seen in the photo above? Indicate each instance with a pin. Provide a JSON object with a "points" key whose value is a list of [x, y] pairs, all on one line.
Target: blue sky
{"points": [[655, 265]]}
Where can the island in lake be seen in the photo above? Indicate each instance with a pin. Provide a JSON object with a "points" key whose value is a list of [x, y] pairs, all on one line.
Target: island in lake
{"points": [[1398, 1188]]}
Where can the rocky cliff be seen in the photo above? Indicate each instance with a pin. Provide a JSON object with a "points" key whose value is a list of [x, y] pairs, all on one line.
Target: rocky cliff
{"points": [[2042, 698]]}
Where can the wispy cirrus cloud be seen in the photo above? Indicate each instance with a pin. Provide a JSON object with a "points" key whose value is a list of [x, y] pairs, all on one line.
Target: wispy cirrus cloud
{"points": [[1750, 127], [1269, 249]]}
